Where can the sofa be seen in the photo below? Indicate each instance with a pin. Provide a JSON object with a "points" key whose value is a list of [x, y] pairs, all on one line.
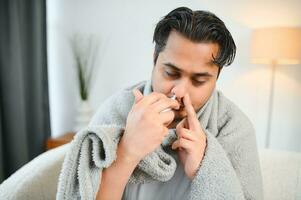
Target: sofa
{"points": [[281, 173]]}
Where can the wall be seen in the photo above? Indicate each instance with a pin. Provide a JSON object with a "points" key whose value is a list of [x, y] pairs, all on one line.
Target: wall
{"points": [[124, 31]]}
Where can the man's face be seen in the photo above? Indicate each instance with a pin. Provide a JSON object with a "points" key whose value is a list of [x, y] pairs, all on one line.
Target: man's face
{"points": [[186, 67]]}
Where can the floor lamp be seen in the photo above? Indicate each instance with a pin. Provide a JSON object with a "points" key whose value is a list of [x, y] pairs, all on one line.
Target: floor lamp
{"points": [[273, 47]]}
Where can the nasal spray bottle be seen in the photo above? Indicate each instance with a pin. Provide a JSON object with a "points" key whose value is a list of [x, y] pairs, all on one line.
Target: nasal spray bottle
{"points": [[173, 98]]}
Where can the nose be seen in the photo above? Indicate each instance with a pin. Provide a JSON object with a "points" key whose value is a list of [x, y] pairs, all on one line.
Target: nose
{"points": [[180, 89]]}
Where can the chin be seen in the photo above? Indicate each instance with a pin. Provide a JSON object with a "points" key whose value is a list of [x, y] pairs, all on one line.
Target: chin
{"points": [[179, 115]]}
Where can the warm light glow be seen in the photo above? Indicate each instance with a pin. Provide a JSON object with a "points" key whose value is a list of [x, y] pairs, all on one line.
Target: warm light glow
{"points": [[278, 45]]}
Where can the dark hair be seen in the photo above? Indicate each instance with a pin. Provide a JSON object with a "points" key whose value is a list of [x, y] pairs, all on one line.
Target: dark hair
{"points": [[197, 26]]}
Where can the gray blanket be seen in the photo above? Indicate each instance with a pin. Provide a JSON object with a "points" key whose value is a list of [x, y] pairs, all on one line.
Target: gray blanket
{"points": [[229, 170]]}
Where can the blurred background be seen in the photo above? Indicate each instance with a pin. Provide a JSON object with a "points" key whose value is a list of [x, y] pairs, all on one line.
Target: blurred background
{"points": [[60, 59], [124, 30]]}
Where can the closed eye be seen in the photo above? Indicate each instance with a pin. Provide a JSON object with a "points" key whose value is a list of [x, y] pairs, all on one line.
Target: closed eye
{"points": [[198, 83], [171, 74]]}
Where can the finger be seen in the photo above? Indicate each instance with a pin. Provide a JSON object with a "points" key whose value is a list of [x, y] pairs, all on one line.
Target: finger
{"points": [[193, 122], [167, 117], [181, 124], [183, 144], [152, 98], [186, 134], [164, 104], [138, 95]]}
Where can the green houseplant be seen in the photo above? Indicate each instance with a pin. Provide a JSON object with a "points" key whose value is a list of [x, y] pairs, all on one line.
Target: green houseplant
{"points": [[84, 48]]}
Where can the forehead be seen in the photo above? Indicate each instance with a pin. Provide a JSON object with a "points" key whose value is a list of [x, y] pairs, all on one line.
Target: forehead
{"points": [[188, 55]]}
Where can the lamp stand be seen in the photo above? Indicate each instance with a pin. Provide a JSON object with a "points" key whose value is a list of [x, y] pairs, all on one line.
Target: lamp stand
{"points": [[271, 102]]}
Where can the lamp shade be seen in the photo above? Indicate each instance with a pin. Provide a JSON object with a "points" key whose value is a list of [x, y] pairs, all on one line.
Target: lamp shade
{"points": [[278, 45]]}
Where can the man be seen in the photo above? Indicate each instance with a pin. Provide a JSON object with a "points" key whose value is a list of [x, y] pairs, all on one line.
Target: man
{"points": [[143, 144], [191, 48]]}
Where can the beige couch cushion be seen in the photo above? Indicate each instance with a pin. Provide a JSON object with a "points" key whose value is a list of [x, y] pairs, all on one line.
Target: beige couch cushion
{"points": [[281, 173], [37, 179]]}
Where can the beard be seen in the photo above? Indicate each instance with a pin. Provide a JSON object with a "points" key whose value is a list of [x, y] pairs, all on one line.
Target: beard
{"points": [[179, 115]]}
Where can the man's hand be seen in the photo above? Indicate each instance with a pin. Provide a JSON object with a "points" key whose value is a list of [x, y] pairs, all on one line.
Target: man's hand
{"points": [[191, 142], [146, 124]]}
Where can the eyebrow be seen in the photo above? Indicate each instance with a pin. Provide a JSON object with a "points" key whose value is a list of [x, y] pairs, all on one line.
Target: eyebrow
{"points": [[174, 67]]}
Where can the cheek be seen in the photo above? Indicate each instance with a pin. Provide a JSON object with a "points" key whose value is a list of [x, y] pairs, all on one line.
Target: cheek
{"points": [[159, 83], [201, 95], [198, 100]]}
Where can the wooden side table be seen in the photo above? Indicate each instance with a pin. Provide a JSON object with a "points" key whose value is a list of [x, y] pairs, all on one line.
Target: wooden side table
{"points": [[58, 141]]}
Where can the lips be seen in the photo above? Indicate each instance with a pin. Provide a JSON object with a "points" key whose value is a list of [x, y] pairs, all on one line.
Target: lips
{"points": [[181, 109], [181, 106], [181, 103]]}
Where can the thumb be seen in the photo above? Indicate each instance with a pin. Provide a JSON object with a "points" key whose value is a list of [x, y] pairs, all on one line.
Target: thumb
{"points": [[138, 95]]}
